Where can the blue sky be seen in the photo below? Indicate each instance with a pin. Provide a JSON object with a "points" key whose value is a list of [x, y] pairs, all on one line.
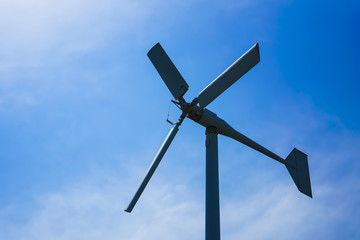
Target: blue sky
{"points": [[82, 114]]}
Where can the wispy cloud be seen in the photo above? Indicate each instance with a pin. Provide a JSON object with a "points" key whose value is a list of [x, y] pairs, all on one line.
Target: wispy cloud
{"points": [[47, 43], [38, 31], [93, 207], [89, 210], [44, 36]]}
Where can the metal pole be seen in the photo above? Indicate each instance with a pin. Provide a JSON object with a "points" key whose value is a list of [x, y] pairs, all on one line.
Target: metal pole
{"points": [[212, 209]]}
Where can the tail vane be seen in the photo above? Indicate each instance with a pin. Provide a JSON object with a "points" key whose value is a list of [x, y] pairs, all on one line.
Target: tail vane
{"points": [[300, 174]]}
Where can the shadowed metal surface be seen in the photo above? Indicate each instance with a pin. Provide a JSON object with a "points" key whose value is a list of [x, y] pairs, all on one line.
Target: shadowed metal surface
{"points": [[153, 167], [211, 119], [300, 174], [168, 72], [296, 162], [212, 203], [229, 76]]}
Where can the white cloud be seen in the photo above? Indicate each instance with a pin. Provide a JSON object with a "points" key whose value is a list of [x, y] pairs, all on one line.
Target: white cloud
{"points": [[46, 30], [44, 41], [94, 210], [282, 213], [171, 208]]}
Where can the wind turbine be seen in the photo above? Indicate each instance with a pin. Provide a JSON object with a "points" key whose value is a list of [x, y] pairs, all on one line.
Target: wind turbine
{"points": [[296, 162]]}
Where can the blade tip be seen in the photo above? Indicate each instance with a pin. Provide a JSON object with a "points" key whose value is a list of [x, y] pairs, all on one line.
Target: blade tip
{"points": [[157, 45], [257, 51], [309, 194]]}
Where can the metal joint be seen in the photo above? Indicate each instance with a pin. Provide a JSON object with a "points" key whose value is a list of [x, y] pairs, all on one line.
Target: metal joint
{"points": [[195, 113], [211, 129]]}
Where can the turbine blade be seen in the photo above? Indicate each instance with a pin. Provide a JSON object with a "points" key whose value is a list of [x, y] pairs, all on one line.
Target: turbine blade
{"points": [[229, 76], [153, 167], [168, 72]]}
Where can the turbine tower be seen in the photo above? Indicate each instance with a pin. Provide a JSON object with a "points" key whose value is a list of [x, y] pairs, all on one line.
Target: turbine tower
{"points": [[296, 162]]}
